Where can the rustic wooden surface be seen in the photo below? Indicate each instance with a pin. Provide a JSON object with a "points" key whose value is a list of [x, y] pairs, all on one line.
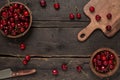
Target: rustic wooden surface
{"points": [[52, 40]]}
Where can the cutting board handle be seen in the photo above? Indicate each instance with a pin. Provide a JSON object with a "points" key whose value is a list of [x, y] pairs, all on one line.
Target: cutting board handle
{"points": [[86, 32]]}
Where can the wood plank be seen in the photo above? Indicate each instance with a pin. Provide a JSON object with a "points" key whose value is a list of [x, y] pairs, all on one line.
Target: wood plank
{"points": [[49, 13], [58, 41], [45, 65]]}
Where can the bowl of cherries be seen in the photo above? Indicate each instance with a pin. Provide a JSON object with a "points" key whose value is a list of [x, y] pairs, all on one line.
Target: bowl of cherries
{"points": [[15, 20], [104, 62]]}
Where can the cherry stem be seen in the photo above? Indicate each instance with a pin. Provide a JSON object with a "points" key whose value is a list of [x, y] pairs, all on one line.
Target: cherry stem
{"points": [[85, 73], [76, 9]]}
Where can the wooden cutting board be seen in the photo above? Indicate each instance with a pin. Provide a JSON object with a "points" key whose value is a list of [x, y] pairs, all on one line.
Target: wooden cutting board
{"points": [[102, 8]]}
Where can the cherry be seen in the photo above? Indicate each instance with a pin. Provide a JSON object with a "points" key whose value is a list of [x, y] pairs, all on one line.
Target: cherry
{"points": [[111, 67], [109, 16], [15, 5], [11, 19], [25, 62], [11, 8], [4, 14], [27, 57], [26, 24], [79, 68], [57, 6], [22, 29], [16, 17], [55, 72], [43, 3], [105, 63], [71, 16], [13, 25], [99, 63], [98, 56], [103, 57], [91, 9], [78, 15], [98, 18], [103, 68], [26, 13], [110, 62], [108, 28], [6, 32], [13, 33], [1, 26], [22, 46], [94, 60], [21, 7], [112, 56], [64, 67]]}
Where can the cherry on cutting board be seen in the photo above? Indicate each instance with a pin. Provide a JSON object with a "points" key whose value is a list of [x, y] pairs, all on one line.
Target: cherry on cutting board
{"points": [[43, 3], [109, 16], [91, 9], [108, 28], [56, 6], [55, 72], [71, 16], [98, 17]]}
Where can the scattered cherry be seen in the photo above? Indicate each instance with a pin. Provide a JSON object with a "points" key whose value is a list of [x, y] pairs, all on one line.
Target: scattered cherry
{"points": [[71, 16], [78, 15], [22, 46], [91, 9], [98, 17], [55, 72], [64, 67], [25, 62], [27, 57], [79, 68], [56, 6], [108, 28], [43, 3]]}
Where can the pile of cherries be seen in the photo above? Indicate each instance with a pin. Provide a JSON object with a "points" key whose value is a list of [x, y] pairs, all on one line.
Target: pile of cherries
{"points": [[104, 61], [14, 19]]}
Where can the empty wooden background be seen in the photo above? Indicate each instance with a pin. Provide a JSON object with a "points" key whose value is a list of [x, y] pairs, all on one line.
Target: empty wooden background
{"points": [[52, 40]]}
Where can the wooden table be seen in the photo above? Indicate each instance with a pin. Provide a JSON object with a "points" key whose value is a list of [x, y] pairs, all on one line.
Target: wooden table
{"points": [[52, 40]]}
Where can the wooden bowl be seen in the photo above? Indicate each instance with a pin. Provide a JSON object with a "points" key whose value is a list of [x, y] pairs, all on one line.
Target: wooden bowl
{"points": [[30, 21], [109, 73]]}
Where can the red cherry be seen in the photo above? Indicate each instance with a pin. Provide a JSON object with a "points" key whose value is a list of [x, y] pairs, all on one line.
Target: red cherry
{"points": [[98, 56], [110, 61], [21, 7], [26, 24], [22, 29], [64, 67], [55, 72], [57, 6], [27, 57], [98, 18], [105, 63], [43, 3], [94, 60], [11, 19], [13, 25], [109, 16], [26, 13], [103, 68], [99, 63], [11, 8], [111, 67], [4, 14], [25, 62], [112, 56], [15, 5], [108, 28], [103, 57], [3, 22], [92, 9], [79, 68], [1, 26], [22, 46], [71, 16], [78, 15], [6, 32], [13, 32]]}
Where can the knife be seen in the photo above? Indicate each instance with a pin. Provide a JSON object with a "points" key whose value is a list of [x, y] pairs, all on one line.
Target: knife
{"points": [[7, 73]]}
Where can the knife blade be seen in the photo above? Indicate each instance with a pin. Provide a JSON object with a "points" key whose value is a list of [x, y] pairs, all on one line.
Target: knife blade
{"points": [[7, 73]]}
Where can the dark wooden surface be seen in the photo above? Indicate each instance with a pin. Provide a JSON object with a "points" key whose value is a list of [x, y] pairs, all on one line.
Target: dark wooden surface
{"points": [[52, 40]]}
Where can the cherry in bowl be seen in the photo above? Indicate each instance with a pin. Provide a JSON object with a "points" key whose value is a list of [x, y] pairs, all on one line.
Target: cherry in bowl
{"points": [[15, 20]]}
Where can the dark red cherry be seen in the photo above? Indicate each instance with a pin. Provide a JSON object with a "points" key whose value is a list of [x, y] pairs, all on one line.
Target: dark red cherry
{"points": [[43, 3]]}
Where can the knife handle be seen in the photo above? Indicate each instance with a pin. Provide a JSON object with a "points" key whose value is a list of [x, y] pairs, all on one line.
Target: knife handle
{"points": [[23, 72]]}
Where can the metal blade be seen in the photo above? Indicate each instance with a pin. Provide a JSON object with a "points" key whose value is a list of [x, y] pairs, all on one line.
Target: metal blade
{"points": [[6, 73]]}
